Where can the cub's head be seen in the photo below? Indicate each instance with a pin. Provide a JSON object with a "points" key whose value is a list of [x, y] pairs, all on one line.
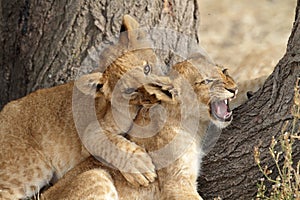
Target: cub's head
{"points": [[131, 71], [213, 87], [133, 50], [130, 65]]}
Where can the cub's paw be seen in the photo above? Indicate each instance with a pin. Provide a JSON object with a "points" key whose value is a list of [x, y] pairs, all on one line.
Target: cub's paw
{"points": [[139, 169], [139, 179]]}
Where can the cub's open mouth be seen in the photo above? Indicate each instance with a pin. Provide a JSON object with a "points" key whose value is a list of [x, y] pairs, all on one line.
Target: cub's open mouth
{"points": [[220, 110]]}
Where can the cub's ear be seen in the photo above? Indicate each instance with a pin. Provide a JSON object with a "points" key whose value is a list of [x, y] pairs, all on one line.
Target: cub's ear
{"points": [[162, 93], [129, 23], [131, 33], [91, 84]]}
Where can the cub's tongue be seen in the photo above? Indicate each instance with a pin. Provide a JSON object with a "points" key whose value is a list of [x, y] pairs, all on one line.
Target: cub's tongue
{"points": [[221, 110]]}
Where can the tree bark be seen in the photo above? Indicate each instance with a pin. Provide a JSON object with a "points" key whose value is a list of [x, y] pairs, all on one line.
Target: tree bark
{"points": [[43, 43], [229, 170]]}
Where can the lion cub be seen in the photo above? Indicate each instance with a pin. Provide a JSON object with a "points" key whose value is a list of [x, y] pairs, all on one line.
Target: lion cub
{"points": [[38, 136], [175, 145]]}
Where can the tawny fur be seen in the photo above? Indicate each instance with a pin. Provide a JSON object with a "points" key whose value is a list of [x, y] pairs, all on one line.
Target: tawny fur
{"points": [[38, 130], [39, 141], [177, 180]]}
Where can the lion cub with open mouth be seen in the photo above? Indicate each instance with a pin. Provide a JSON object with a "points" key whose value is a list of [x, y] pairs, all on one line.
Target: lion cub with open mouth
{"points": [[173, 137], [38, 137]]}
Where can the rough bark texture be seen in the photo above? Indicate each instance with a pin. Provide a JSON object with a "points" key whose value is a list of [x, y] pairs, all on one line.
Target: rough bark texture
{"points": [[43, 43], [229, 170]]}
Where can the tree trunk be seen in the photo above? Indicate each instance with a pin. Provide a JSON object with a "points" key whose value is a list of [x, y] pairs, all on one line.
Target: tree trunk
{"points": [[43, 43], [229, 170]]}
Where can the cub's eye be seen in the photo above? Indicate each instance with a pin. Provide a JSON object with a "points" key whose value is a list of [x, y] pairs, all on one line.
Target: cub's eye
{"points": [[129, 90], [147, 69], [225, 72], [206, 81]]}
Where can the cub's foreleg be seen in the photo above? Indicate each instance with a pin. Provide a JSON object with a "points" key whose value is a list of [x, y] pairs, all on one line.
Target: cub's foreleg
{"points": [[130, 159]]}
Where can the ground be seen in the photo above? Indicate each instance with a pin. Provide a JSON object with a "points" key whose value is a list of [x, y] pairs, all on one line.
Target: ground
{"points": [[249, 37]]}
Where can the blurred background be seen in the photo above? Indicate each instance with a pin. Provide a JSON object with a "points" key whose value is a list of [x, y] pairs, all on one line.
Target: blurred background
{"points": [[248, 37]]}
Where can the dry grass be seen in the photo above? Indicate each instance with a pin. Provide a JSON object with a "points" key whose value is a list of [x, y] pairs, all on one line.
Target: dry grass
{"points": [[286, 186]]}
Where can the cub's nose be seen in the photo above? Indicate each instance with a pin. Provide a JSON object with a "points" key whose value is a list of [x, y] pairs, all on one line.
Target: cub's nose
{"points": [[234, 91]]}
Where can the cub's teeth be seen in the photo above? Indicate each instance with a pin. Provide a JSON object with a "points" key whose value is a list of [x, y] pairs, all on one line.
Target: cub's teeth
{"points": [[226, 101]]}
